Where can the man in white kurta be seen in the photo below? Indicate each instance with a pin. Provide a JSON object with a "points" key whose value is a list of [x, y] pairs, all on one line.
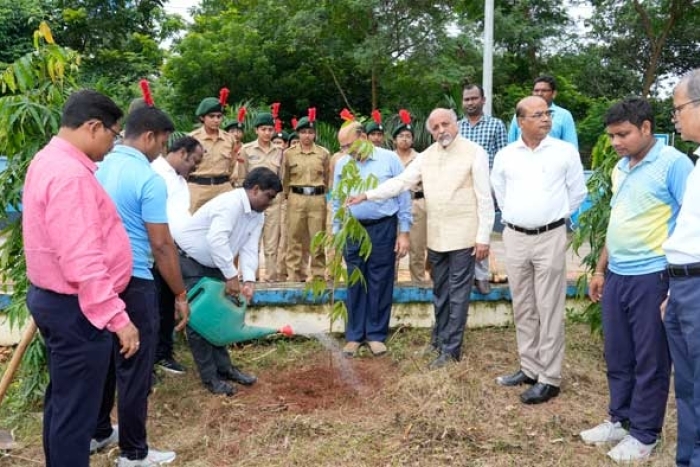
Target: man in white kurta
{"points": [[538, 182], [455, 176]]}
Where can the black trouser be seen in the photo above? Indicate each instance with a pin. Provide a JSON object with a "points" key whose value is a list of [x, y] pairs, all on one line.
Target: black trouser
{"points": [[166, 309], [78, 357], [210, 359], [453, 274], [133, 376]]}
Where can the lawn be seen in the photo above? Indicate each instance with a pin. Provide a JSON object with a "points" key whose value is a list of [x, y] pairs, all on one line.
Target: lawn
{"points": [[313, 408]]}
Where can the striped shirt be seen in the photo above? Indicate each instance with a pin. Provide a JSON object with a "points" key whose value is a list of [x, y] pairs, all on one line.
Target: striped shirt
{"points": [[488, 132]]}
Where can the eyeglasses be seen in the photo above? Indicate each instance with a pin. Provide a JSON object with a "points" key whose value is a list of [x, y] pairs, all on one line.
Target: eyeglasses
{"points": [[115, 133], [540, 115], [676, 111]]}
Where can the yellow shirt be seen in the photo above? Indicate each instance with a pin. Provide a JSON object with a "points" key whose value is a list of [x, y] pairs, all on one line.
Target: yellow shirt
{"points": [[218, 157], [306, 168]]}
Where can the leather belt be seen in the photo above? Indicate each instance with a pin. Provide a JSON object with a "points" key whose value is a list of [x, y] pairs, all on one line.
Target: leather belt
{"points": [[308, 190], [216, 180], [683, 270], [417, 195], [537, 230], [368, 222]]}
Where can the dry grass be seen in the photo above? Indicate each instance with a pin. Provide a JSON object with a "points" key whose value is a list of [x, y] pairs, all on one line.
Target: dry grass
{"points": [[304, 412]]}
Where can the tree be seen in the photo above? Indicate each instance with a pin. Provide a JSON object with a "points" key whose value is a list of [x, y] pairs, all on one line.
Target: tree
{"points": [[651, 37], [18, 20], [34, 89]]}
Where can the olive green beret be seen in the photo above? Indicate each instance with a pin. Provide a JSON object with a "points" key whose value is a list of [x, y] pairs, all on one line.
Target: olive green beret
{"points": [[264, 118], [304, 123], [208, 105], [374, 126], [229, 124], [400, 128]]}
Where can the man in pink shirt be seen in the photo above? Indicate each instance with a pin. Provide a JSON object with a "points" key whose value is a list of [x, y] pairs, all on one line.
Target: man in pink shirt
{"points": [[78, 261]]}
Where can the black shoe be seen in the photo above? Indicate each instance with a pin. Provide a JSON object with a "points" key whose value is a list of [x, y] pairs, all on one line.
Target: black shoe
{"points": [[220, 387], [442, 361], [171, 366], [483, 287], [236, 375], [516, 379], [539, 393]]}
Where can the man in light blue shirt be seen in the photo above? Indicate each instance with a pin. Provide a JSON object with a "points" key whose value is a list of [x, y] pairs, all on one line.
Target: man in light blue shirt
{"points": [[369, 305], [563, 126], [140, 196]]}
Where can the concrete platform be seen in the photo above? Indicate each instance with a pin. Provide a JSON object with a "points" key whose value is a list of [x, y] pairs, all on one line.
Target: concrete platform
{"points": [[278, 304]]}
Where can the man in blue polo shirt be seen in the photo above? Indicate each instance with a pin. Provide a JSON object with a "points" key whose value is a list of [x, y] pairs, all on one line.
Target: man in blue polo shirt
{"points": [[140, 196], [630, 278], [369, 305], [563, 126]]}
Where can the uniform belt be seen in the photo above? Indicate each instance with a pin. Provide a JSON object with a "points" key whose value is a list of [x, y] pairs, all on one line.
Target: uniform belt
{"points": [[417, 195], [537, 230], [683, 270], [368, 222], [216, 180], [308, 190]]}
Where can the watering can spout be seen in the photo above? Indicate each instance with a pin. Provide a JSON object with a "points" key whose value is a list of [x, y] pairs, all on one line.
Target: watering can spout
{"points": [[286, 330]]}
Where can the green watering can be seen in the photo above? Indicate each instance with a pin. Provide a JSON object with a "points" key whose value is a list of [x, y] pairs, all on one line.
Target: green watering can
{"points": [[219, 318]]}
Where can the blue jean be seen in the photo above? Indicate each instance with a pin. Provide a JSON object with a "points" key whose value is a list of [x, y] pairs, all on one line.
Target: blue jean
{"points": [[636, 352], [682, 322], [78, 357], [369, 304]]}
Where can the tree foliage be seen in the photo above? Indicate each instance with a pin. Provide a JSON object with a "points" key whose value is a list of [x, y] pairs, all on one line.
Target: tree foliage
{"points": [[34, 89]]}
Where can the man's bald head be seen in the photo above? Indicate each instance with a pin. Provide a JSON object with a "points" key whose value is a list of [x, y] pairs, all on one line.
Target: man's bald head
{"points": [[349, 133], [442, 124], [534, 119]]}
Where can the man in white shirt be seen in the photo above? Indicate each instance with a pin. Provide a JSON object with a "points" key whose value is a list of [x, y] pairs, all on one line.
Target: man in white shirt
{"points": [[227, 226], [682, 317], [184, 153], [538, 182], [455, 176]]}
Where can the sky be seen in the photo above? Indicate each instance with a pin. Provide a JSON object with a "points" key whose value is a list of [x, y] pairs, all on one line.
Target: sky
{"points": [[181, 7]]}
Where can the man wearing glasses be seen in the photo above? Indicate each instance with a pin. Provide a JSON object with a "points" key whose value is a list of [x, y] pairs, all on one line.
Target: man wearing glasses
{"points": [[682, 318], [538, 182], [563, 126]]}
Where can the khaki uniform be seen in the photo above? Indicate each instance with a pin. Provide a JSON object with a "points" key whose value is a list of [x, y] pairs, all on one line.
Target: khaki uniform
{"points": [[253, 156], [305, 170], [418, 234], [217, 163]]}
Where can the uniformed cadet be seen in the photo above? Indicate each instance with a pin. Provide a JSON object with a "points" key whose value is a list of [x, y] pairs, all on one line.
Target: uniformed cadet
{"points": [[403, 146], [213, 175], [236, 128], [375, 129], [261, 153], [305, 183]]}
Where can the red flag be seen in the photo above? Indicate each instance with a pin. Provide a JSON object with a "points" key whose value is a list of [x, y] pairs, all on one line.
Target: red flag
{"points": [[275, 110], [294, 123], [241, 114], [405, 116], [312, 114], [278, 125], [377, 117]]}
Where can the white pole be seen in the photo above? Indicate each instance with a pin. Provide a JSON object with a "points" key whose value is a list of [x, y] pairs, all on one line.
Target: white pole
{"points": [[488, 55]]}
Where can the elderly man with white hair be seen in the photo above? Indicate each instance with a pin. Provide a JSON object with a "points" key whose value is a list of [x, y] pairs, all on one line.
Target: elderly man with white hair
{"points": [[455, 176]]}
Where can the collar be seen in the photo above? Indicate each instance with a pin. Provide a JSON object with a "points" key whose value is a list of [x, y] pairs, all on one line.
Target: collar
{"points": [[161, 161], [546, 142], [467, 122], [130, 152], [73, 152], [202, 132], [651, 156], [246, 201]]}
